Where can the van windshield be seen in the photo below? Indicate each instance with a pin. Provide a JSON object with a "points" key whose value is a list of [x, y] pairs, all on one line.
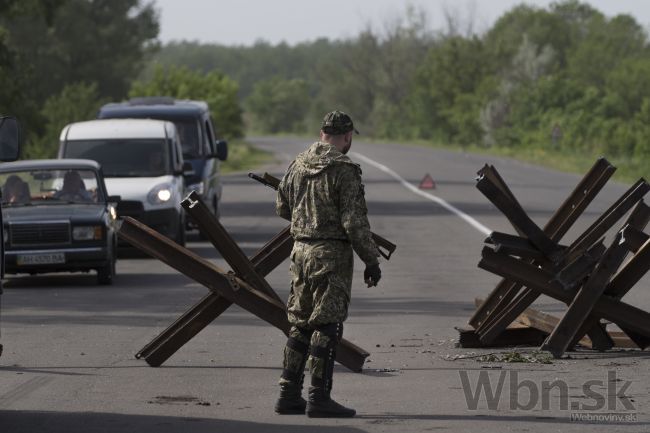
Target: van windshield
{"points": [[124, 158], [189, 135]]}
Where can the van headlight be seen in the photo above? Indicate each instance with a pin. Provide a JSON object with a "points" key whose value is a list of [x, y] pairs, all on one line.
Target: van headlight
{"points": [[160, 194]]}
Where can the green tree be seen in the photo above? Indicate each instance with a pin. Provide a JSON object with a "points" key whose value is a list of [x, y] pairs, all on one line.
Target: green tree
{"points": [[76, 102], [446, 99], [101, 41], [279, 105], [605, 44], [219, 91]]}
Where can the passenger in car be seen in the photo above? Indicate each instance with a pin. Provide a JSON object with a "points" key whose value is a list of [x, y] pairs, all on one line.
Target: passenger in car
{"points": [[73, 188], [15, 190]]}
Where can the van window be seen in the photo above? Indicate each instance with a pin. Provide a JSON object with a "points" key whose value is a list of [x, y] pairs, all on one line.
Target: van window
{"points": [[124, 158]]}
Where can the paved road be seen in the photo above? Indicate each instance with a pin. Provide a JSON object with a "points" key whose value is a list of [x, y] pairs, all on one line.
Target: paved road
{"points": [[68, 364]]}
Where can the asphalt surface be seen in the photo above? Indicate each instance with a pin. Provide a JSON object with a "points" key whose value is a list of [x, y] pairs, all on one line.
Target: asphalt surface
{"points": [[68, 363]]}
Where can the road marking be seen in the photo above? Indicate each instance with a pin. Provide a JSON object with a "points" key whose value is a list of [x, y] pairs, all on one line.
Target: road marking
{"points": [[451, 208]]}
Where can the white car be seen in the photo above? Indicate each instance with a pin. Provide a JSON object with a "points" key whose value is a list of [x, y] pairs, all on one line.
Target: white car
{"points": [[142, 161]]}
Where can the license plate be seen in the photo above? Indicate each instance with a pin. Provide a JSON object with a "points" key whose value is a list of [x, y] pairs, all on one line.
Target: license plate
{"points": [[40, 259]]}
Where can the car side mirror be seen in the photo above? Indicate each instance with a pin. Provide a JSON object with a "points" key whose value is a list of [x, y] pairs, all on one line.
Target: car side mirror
{"points": [[9, 139], [114, 198], [221, 149], [188, 170]]}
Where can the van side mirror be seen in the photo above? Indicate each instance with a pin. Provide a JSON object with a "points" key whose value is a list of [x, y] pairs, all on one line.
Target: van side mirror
{"points": [[188, 170], [221, 147], [9, 139]]}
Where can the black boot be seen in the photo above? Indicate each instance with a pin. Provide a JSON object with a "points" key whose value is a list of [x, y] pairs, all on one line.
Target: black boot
{"points": [[320, 404], [290, 401]]}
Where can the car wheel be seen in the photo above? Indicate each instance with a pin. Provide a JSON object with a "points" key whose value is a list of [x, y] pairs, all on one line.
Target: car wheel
{"points": [[105, 274]]}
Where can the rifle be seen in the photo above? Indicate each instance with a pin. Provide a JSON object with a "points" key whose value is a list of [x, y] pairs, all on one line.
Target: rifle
{"points": [[273, 182]]}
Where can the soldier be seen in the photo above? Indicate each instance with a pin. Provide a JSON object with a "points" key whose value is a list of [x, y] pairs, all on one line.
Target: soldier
{"points": [[322, 194]]}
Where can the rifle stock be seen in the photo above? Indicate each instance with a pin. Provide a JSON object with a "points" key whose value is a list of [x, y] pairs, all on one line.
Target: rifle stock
{"points": [[382, 243]]}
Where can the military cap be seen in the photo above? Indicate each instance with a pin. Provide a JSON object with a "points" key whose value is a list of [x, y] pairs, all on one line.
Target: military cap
{"points": [[337, 123]]}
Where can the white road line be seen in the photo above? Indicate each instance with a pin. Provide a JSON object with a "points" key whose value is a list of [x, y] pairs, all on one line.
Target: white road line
{"points": [[462, 215]]}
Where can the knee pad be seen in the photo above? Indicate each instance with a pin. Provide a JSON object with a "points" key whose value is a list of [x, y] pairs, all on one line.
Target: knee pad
{"points": [[332, 330]]}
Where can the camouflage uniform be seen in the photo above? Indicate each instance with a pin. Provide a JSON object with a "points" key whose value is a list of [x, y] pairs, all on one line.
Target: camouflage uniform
{"points": [[322, 194]]}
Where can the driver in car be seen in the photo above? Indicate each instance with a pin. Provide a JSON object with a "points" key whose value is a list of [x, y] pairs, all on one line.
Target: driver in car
{"points": [[73, 188]]}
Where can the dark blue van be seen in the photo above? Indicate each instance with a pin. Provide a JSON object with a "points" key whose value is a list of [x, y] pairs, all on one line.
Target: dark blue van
{"points": [[198, 137]]}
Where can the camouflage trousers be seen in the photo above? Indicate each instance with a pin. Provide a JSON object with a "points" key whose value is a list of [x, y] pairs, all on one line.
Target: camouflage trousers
{"points": [[321, 280]]}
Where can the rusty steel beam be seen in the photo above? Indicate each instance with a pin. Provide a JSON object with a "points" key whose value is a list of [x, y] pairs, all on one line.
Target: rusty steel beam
{"points": [[227, 285], [176, 335], [276, 251], [631, 235], [579, 269], [600, 339], [557, 226], [614, 310], [614, 213], [186, 327], [585, 299], [517, 217], [493, 175], [224, 243], [512, 245]]}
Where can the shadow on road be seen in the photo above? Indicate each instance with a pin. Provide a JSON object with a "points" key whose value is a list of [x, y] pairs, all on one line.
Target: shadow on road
{"points": [[92, 422], [389, 418]]}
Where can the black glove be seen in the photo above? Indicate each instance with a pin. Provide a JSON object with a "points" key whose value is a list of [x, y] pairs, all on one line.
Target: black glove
{"points": [[372, 275]]}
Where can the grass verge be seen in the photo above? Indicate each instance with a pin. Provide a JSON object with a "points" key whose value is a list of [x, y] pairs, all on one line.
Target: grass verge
{"points": [[243, 156], [628, 169]]}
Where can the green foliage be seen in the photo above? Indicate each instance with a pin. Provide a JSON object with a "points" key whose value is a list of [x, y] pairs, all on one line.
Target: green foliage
{"points": [[219, 91], [242, 156], [76, 102], [279, 105], [101, 41], [564, 79], [49, 47]]}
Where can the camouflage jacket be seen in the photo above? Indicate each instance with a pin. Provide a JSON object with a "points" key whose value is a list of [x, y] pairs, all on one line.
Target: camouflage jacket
{"points": [[322, 194]]}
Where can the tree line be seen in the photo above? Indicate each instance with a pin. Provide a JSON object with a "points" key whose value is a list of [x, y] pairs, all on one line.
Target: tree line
{"points": [[565, 78]]}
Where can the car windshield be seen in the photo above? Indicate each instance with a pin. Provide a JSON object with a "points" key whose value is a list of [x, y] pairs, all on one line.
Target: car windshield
{"points": [[50, 186], [124, 158]]}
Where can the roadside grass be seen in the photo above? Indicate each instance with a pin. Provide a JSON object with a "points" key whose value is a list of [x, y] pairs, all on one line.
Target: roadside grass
{"points": [[243, 156], [629, 169]]}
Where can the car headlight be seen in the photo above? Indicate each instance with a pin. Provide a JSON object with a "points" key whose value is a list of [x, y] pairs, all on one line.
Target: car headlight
{"points": [[198, 187], [86, 233], [160, 194]]}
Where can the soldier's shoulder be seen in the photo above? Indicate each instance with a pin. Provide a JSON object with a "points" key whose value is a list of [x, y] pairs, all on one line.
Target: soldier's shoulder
{"points": [[348, 167]]}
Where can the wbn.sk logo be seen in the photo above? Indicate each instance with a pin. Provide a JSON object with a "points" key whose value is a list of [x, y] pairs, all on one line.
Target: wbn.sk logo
{"points": [[487, 390]]}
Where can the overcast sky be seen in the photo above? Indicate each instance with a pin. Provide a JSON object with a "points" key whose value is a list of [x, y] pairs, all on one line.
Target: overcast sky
{"points": [[242, 22]]}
